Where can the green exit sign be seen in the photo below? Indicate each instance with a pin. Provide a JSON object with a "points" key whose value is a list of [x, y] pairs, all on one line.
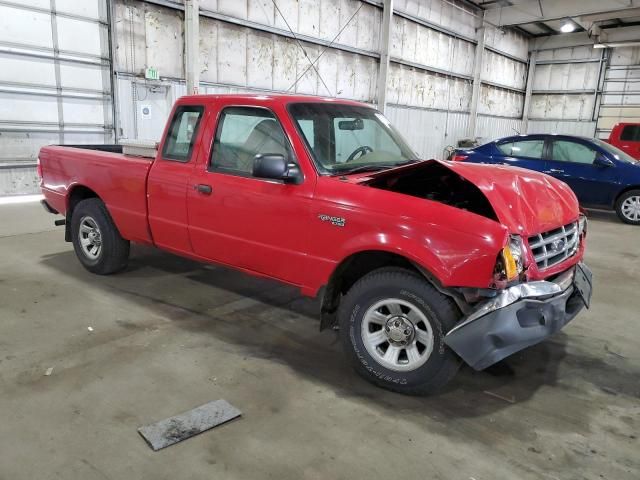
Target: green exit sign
{"points": [[151, 73]]}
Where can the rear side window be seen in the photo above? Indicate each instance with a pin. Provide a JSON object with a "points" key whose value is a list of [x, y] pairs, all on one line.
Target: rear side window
{"points": [[523, 148], [631, 133], [182, 133], [565, 151]]}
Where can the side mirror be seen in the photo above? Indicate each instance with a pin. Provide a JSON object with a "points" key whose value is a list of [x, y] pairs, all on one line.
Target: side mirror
{"points": [[275, 167], [602, 161]]}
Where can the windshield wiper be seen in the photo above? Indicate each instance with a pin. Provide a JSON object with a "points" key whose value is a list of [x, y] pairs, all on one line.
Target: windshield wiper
{"points": [[373, 167]]}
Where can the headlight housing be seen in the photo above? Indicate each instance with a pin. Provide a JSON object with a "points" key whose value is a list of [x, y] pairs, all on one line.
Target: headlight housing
{"points": [[511, 261], [582, 225]]}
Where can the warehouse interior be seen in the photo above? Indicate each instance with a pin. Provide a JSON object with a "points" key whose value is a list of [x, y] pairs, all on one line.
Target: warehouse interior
{"points": [[101, 72], [169, 334]]}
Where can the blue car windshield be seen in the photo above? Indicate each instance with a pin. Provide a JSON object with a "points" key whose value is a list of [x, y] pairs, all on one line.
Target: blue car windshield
{"points": [[616, 152]]}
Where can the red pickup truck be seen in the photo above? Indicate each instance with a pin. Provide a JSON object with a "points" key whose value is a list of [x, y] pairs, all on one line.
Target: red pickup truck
{"points": [[418, 264], [626, 136]]}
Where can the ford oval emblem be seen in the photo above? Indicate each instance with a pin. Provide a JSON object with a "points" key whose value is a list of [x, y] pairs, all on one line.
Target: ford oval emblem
{"points": [[557, 245]]}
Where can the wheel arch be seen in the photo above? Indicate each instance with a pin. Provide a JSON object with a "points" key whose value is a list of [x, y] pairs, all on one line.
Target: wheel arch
{"points": [[361, 263], [76, 194], [622, 192]]}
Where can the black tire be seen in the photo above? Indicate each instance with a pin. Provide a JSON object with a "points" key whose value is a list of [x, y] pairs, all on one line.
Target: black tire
{"points": [[619, 203], [441, 312], [114, 252]]}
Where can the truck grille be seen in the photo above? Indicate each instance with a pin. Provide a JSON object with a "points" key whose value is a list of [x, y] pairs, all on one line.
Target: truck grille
{"points": [[552, 247]]}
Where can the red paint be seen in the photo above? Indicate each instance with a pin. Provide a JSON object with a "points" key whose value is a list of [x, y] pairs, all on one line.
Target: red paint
{"points": [[273, 229], [631, 144]]}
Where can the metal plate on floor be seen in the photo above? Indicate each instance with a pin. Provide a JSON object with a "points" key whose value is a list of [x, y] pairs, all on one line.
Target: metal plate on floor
{"points": [[180, 427]]}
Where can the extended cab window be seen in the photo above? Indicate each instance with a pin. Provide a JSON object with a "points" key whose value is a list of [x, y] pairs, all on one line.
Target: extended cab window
{"points": [[243, 133], [567, 151], [182, 133], [630, 133], [523, 148]]}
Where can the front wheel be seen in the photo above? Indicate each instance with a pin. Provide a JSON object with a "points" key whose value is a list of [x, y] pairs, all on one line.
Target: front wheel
{"points": [[392, 326], [628, 207], [96, 240]]}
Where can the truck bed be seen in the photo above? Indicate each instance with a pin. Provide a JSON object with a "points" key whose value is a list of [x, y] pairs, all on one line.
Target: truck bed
{"points": [[102, 170]]}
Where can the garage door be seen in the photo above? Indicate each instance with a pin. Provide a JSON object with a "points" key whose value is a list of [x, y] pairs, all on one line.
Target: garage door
{"points": [[55, 82], [621, 91]]}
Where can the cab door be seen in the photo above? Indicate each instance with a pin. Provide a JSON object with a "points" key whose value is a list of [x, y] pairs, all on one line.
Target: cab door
{"points": [[630, 140], [168, 179], [247, 222]]}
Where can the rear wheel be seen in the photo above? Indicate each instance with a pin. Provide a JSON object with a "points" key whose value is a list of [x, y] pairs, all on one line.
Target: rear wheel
{"points": [[96, 240], [628, 207], [392, 326]]}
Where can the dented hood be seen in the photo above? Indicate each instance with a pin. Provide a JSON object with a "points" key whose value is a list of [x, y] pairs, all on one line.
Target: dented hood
{"points": [[525, 201]]}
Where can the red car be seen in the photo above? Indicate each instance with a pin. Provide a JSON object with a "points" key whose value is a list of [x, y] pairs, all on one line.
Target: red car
{"points": [[626, 136], [418, 263]]}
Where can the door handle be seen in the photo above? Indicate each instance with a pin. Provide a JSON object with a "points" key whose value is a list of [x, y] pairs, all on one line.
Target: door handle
{"points": [[555, 170], [203, 188]]}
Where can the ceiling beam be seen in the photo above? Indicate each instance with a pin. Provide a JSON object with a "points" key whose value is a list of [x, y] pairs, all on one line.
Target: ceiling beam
{"points": [[531, 12], [609, 37]]}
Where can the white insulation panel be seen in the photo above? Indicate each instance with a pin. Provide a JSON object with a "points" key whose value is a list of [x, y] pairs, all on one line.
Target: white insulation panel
{"points": [[562, 107], [566, 127], [566, 76], [419, 44], [452, 15], [503, 70]]}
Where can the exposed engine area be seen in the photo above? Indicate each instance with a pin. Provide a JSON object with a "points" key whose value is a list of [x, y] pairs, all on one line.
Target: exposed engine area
{"points": [[434, 181]]}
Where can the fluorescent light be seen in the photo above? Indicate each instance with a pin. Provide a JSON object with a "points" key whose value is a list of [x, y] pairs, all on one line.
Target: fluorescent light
{"points": [[20, 199], [567, 27]]}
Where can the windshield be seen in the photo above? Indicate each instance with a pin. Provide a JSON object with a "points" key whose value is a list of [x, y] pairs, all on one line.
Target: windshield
{"points": [[346, 138], [615, 151]]}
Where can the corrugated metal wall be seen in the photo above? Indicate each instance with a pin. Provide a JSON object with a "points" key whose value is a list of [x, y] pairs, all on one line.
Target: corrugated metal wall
{"points": [[55, 82], [565, 90], [246, 46]]}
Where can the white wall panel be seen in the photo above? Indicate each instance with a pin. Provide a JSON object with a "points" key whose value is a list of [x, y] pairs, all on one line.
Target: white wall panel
{"points": [[452, 15], [23, 70], [25, 27], [429, 132], [573, 53], [80, 36], [418, 44], [87, 8], [500, 102], [492, 128], [20, 108], [585, 129], [507, 41], [504, 71], [562, 107], [240, 56], [566, 76], [164, 41], [412, 87]]}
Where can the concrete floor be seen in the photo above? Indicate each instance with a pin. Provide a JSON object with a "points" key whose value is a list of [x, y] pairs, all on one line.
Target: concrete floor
{"points": [[170, 334]]}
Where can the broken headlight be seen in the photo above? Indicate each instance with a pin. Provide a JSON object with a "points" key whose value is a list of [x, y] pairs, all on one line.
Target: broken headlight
{"points": [[511, 261], [582, 225]]}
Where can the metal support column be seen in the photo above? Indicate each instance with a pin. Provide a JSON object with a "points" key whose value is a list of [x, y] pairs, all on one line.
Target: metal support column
{"points": [[192, 45], [477, 83], [527, 94], [385, 46]]}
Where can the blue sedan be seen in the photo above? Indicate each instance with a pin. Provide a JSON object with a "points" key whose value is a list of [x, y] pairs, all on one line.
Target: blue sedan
{"points": [[601, 175]]}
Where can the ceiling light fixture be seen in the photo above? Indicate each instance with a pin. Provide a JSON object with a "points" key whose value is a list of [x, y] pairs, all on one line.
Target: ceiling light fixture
{"points": [[567, 27]]}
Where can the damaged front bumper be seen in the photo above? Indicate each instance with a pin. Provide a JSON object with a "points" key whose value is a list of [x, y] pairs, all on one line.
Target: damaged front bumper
{"points": [[520, 316]]}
